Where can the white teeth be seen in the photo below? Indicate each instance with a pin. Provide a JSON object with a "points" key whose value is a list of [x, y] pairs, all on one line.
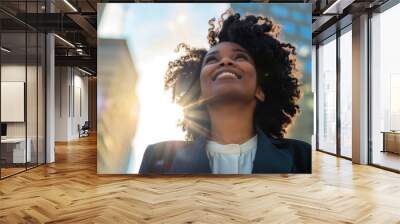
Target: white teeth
{"points": [[226, 75]]}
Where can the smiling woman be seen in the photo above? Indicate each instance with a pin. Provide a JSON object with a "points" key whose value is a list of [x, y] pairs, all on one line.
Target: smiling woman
{"points": [[239, 97]]}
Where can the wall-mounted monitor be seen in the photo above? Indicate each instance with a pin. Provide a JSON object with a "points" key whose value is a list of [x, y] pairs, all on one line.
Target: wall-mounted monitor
{"points": [[12, 101]]}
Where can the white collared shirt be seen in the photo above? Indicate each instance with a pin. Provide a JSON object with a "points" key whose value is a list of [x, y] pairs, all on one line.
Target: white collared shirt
{"points": [[232, 158]]}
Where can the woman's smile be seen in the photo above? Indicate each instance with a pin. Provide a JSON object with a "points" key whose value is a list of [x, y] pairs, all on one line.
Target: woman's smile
{"points": [[226, 75]]}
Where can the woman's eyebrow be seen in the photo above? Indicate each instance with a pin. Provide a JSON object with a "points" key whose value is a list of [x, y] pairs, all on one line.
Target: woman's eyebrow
{"points": [[240, 50], [212, 53], [216, 52]]}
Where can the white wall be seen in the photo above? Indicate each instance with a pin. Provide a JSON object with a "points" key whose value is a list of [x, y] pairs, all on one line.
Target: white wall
{"points": [[16, 73], [80, 115], [62, 81], [71, 93], [13, 73]]}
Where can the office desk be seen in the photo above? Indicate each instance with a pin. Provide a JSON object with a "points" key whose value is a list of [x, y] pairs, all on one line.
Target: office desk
{"points": [[391, 141], [15, 148]]}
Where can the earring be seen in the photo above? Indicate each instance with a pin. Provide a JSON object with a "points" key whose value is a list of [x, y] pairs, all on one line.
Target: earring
{"points": [[260, 95]]}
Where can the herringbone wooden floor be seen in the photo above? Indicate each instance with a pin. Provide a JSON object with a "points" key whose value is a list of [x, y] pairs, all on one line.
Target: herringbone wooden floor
{"points": [[70, 191]]}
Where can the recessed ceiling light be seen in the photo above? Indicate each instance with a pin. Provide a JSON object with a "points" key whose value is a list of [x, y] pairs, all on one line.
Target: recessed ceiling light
{"points": [[333, 6], [5, 49], [70, 5], [84, 71], [64, 40]]}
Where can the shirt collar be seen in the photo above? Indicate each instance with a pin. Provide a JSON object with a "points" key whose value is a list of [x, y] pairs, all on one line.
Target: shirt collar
{"points": [[215, 147]]}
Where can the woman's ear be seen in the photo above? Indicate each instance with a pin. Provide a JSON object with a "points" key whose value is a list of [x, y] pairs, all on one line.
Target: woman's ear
{"points": [[260, 94]]}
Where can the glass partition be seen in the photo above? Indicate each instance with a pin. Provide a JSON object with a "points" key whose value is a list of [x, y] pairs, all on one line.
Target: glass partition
{"points": [[327, 95], [22, 89], [14, 153], [385, 89], [346, 93], [31, 100], [41, 91]]}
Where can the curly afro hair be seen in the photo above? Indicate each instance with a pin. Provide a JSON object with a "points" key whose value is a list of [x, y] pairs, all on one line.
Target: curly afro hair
{"points": [[275, 64]]}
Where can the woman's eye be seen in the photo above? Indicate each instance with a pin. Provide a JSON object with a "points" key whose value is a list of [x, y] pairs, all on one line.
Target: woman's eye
{"points": [[211, 60], [241, 57]]}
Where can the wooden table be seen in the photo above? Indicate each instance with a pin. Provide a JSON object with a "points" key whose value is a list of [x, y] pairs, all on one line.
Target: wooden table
{"points": [[391, 141]]}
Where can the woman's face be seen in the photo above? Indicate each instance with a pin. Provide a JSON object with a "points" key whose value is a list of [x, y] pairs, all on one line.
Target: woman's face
{"points": [[228, 73]]}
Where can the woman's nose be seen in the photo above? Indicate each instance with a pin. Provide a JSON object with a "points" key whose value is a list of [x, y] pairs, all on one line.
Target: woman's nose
{"points": [[225, 61]]}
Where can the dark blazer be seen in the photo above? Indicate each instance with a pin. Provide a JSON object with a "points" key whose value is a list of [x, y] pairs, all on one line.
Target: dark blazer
{"points": [[272, 156]]}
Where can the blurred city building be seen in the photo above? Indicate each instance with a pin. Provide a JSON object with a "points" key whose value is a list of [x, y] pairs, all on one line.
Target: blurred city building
{"points": [[117, 105]]}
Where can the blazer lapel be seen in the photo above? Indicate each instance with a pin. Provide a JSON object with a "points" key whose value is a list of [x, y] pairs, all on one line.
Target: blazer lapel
{"points": [[269, 158], [192, 159]]}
